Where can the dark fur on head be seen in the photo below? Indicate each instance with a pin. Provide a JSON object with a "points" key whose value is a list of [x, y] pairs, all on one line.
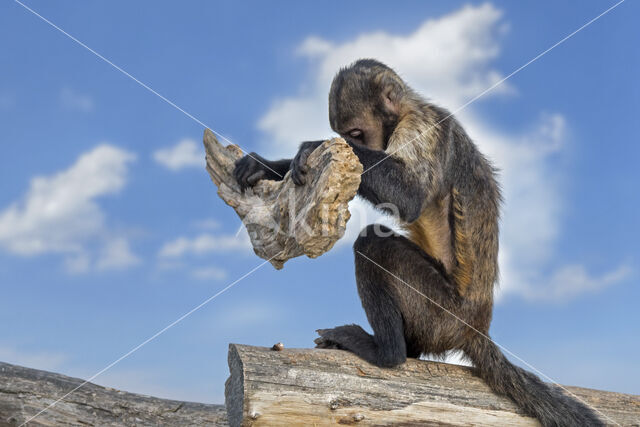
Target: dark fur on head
{"points": [[367, 90]]}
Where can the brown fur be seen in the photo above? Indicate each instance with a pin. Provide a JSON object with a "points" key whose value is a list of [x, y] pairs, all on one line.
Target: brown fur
{"points": [[463, 269]]}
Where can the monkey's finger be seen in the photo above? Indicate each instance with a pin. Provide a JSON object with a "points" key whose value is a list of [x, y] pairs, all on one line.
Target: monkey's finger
{"points": [[304, 155], [319, 342], [249, 170], [242, 173], [236, 173], [294, 172], [237, 176], [238, 165], [297, 178], [243, 159], [300, 166], [257, 176], [242, 182], [322, 343], [240, 168], [243, 162]]}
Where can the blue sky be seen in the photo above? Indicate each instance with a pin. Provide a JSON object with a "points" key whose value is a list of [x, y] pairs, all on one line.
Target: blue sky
{"points": [[110, 228]]}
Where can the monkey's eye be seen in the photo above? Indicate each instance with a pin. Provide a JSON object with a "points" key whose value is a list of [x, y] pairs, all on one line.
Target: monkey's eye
{"points": [[355, 133]]}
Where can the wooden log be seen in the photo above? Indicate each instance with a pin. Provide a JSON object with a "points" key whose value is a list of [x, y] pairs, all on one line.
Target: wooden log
{"points": [[320, 387], [24, 392], [285, 220]]}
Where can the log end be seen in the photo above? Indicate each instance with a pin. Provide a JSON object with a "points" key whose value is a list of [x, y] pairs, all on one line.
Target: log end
{"points": [[234, 388], [220, 159]]}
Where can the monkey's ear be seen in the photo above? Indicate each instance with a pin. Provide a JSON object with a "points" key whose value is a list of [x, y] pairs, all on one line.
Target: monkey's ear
{"points": [[392, 93]]}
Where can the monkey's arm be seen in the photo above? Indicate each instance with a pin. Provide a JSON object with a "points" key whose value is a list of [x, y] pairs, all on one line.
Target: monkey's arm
{"points": [[387, 179]]}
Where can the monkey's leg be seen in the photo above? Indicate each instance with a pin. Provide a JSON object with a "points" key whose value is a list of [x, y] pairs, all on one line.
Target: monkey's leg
{"points": [[394, 310], [413, 350]]}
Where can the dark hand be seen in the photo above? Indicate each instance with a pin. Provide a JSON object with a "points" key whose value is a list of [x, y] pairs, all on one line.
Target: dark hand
{"points": [[299, 166], [250, 169]]}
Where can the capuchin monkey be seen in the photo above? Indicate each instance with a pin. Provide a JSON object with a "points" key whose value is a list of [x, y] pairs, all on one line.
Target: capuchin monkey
{"points": [[431, 291]]}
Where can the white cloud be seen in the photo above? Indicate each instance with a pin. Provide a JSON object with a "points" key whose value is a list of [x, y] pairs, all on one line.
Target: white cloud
{"points": [[209, 273], [73, 100], [59, 213], [205, 243], [207, 224], [171, 255], [568, 282], [450, 60], [173, 261], [78, 262], [185, 154], [168, 264], [116, 254], [448, 57]]}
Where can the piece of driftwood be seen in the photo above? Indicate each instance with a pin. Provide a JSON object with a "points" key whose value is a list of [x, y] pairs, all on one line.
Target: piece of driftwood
{"points": [[284, 220], [320, 387], [24, 392]]}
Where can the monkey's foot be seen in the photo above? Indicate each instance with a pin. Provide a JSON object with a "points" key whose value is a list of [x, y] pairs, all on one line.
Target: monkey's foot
{"points": [[347, 337], [322, 342]]}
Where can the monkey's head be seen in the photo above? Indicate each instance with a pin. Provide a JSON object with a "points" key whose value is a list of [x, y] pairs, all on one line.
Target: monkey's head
{"points": [[365, 103]]}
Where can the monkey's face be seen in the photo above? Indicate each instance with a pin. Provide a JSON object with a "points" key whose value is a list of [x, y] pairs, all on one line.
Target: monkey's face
{"points": [[363, 119], [364, 104], [364, 128]]}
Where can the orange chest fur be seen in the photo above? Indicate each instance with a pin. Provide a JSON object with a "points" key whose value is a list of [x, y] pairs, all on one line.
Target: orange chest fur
{"points": [[432, 232], [440, 232]]}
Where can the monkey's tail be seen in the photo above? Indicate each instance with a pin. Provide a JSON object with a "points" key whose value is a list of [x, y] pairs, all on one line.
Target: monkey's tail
{"points": [[545, 402]]}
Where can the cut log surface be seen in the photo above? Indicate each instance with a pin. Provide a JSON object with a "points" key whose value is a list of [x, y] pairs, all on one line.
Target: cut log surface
{"points": [[284, 220], [320, 387], [24, 392]]}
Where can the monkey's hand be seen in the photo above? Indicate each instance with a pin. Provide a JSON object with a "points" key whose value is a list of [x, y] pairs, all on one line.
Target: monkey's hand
{"points": [[299, 166], [252, 168]]}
